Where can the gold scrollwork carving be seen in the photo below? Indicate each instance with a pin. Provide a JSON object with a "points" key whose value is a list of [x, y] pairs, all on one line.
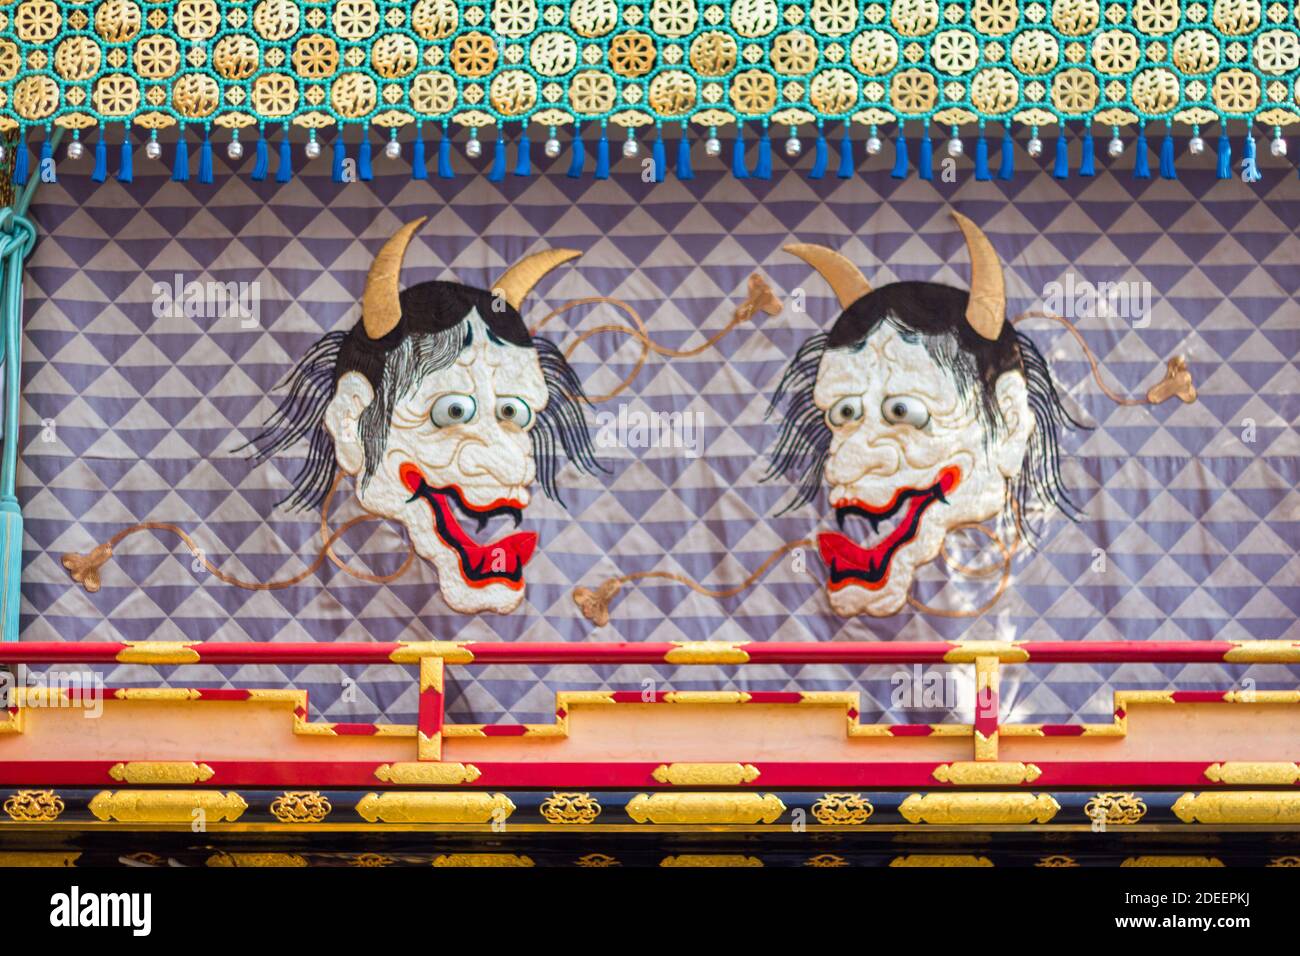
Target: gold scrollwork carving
{"points": [[706, 774], [34, 806], [1257, 806], [842, 809], [167, 806], [1116, 808], [300, 806], [570, 808], [940, 859], [703, 808], [984, 773], [1259, 774], [435, 807], [429, 773], [161, 771], [979, 808], [482, 860]]}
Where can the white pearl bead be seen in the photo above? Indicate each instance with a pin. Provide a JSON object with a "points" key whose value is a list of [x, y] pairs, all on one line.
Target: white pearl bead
{"points": [[474, 148], [1196, 145], [955, 147], [1035, 147], [1278, 146], [552, 147], [793, 147], [874, 145], [712, 146], [75, 149], [3, 153], [1115, 146], [392, 149], [631, 147], [153, 149], [235, 150], [312, 149]]}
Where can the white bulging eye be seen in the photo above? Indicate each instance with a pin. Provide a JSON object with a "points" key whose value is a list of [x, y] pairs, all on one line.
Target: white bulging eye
{"points": [[845, 411], [905, 410], [512, 409], [453, 409]]}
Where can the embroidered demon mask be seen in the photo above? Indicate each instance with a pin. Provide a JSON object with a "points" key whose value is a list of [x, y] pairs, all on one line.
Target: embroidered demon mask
{"points": [[445, 411], [921, 411]]}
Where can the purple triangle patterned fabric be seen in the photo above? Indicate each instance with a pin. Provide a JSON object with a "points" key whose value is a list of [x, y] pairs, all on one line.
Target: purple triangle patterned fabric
{"points": [[133, 416]]}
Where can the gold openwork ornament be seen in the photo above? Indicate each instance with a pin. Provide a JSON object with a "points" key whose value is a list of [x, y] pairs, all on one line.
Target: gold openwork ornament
{"points": [[570, 808], [300, 806], [34, 806], [842, 809], [1116, 808]]}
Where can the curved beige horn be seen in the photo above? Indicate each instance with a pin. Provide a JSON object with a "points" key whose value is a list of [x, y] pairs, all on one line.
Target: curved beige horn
{"points": [[517, 281], [987, 310], [845, 279], [381, 309]]}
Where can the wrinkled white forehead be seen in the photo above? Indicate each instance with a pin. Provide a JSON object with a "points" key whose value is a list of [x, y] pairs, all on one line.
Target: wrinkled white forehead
{"points": [[492, 366], [886, 363]]}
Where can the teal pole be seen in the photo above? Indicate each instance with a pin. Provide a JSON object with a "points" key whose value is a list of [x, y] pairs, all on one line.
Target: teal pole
{"points": [[17, 236]]}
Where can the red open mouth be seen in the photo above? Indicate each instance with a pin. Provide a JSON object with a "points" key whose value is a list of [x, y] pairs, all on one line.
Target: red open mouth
{"points": [[500, 562], [868, 567]]}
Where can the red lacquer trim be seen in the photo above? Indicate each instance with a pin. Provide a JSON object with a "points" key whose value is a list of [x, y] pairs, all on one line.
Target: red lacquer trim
{"points": [[841, 652], [639, 775]]}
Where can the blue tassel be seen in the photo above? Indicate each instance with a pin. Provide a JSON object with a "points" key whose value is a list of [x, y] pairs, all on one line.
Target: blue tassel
{"points": [[419, 168], [340, 157], [602, 155], [738, 155], [659, 157], [684, 170], [205, 158], [1225, 157], [1250, 172], [100, 172], [763, 167], [1062, 168], [925, 159], [822, 158], [181, 164], [846, 155], [125, 172], [1007, 168], [1167, 170], [1088, 163], [982, 159], [445, 169], [579, 157], [20, 161], [523, 155], [1141, 161], [365, 172], [263, 160], [284, 171], [497, 173], [900, 156]]}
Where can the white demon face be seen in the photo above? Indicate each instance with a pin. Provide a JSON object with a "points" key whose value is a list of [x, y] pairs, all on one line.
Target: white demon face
{"points": [[910, 459], [456, 466]]}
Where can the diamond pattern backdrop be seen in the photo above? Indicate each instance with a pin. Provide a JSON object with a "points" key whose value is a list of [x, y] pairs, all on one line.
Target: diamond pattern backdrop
{"points": [[129, 417]]}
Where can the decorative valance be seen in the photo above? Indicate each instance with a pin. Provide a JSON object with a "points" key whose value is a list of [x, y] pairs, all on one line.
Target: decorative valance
{"points": [[279, 64]]}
